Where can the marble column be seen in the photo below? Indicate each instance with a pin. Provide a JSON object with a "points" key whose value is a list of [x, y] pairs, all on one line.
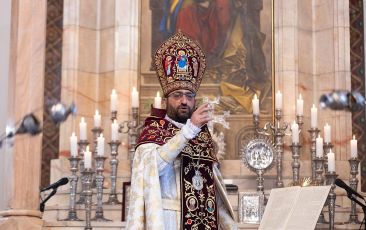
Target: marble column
{"points": [[20, 186]]}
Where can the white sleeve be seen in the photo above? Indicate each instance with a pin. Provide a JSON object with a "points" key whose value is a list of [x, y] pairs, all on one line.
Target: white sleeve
{"points": [[167, 153]]}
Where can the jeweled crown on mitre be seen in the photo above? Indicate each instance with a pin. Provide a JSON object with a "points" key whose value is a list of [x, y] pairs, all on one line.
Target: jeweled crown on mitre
{"points": [[180, 64]]}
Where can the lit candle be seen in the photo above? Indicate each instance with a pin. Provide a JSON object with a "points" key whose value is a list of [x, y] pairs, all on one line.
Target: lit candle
{"points": [[278, 100], [327, 133], [331, 161], [87, 158], [314, 117], [300, 106], [255, 104], [114, 128], [82, 129], [295, 132], [319, 147], [134, 98], [114, 100], [354, 147], [73, 145], [157, 101], [100, 146], [97, 119]]}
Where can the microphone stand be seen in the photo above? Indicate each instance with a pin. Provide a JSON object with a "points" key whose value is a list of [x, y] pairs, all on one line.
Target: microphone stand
{"points": [[42, 204], [349, 195]]}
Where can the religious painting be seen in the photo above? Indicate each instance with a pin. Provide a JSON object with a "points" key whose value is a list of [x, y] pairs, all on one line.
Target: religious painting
{"points": [[236, 37], [251, 207], [125, 199]]}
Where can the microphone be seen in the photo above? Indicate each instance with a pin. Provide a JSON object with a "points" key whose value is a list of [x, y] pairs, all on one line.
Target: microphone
{"points": [[59, 112], [57, 184], [349, 190], [343, 100]]}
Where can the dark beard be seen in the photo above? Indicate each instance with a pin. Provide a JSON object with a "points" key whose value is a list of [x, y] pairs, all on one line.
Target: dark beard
{"points": [[177, 116]]}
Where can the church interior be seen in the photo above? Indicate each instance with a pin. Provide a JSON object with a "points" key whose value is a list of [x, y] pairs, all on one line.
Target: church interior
{"points": [[285, 79]]}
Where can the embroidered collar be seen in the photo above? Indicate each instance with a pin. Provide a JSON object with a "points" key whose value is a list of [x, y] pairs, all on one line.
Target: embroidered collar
{"points": [[179, 125]]}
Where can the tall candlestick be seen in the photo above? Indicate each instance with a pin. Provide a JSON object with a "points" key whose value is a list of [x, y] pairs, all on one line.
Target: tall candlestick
{"points": [[300, 106], [114, 100], [278, 101], [255, 104], [331, 161], [327, 133], [97, 119], [134, 98], [353, 147], [314, 117], [74, 145], [319, 147], [100, 145], [295, 132], [87, 158], [82, 129], [114, 128], [157, 101]]}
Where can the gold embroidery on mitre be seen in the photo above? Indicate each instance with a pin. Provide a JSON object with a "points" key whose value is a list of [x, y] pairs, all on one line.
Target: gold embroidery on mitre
{"points": [[180, 64]]}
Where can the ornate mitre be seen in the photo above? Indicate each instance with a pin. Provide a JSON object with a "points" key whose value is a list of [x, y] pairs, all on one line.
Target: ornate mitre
{"points": [[180, 64]]}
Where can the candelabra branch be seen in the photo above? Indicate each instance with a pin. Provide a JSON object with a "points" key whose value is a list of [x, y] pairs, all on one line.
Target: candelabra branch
{"points": [[99, 216], [295, 163], [72, 216], [114, 168], [353, 182], [314, 132], [331, 177], [82, 148], [278, 131], [87, 180]]}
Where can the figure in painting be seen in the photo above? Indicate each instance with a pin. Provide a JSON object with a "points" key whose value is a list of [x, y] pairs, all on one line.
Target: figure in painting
{"points": [[182, 61], [229, 31], [168, 65]]}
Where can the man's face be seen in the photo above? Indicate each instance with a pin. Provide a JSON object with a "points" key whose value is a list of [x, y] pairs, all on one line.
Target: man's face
{"points": [[180, 105]]}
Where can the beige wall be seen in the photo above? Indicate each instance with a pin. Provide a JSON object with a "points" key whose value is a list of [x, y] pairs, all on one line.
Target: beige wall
{"points": [[100, 53]]}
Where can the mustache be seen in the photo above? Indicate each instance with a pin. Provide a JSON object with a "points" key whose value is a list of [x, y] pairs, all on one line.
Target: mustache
{"points": [[183, 107]]}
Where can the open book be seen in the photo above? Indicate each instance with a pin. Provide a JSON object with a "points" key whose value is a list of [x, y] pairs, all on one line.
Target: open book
{"points": [[294, 208]]}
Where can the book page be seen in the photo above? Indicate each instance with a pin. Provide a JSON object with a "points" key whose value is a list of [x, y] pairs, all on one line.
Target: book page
{"points": [[279, 207], [306, 212]]}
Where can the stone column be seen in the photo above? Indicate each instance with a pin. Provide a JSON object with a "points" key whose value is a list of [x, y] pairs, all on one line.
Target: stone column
{"points": [[26, 76]]}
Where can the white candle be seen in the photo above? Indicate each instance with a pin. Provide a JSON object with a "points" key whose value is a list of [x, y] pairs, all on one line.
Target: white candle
{"points": [[255, 104], [97, 119], [74, 145], [100, 145], [319, 147], [114, 128], [134, 98], [300, 106], [114, 100], [295, 132], [331, 161], [87, 158], [157, 101], [82, 129], [278, 101], [354, 147], [314, 117], [327, 133]]}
